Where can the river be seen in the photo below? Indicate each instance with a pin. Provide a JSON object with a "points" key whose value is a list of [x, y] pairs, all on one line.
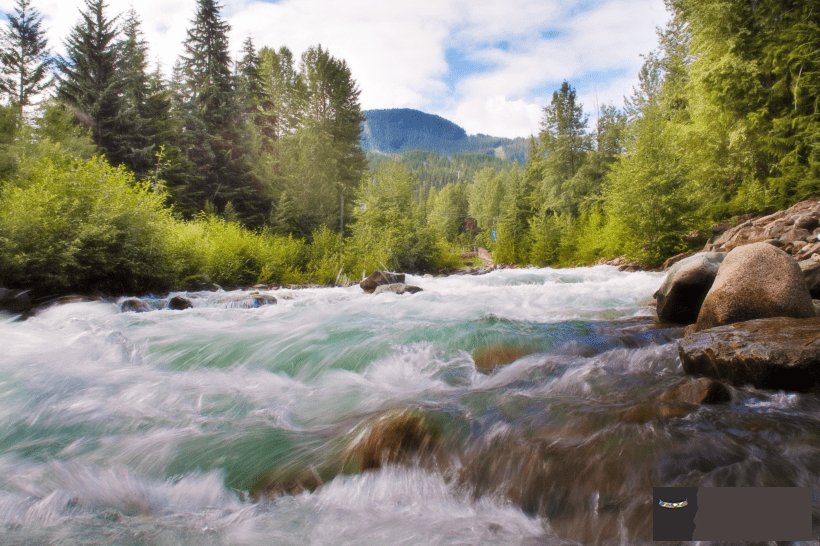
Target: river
{"points": [[186, 427]]}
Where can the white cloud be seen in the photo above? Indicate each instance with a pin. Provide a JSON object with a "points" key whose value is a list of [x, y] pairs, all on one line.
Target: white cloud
{"points": [[397, 49]]}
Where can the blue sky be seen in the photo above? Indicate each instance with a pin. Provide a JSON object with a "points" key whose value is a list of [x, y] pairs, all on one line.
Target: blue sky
{"points": [[489, 66]]}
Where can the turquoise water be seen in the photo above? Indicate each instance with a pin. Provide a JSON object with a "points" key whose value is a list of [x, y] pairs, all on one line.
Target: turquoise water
{"points": [[162, 427]]}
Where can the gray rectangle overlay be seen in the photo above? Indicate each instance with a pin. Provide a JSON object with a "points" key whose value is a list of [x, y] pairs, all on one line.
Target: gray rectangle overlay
{"points": [[753, 513]]}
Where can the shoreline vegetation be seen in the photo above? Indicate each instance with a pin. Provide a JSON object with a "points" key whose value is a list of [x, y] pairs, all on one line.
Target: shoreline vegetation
{"points": [[116, 180]]}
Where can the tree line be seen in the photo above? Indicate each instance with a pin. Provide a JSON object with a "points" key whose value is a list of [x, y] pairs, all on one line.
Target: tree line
{"points": [[725, 121], [267, 137], [260, 160]]}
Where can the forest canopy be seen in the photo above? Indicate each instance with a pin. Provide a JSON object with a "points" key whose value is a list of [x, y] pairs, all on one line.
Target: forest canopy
{"points": [[253, 170]]}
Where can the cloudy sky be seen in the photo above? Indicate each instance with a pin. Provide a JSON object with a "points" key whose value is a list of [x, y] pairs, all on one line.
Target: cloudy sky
{"points": [[488, 65]]}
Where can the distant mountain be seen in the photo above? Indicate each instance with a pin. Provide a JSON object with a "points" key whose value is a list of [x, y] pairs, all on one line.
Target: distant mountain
{"points": [[400, 130]]}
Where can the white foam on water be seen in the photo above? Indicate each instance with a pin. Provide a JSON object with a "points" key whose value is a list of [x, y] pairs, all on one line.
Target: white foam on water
{"points": [[391, 506]]}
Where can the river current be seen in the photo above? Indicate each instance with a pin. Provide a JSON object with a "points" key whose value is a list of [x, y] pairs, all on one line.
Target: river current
{"points": [[226, 424]]}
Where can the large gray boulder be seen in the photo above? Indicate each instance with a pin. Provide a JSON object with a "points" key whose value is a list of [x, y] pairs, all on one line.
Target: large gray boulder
{"points": [[772, 353], [680, 296], [755, 281], [378, 278]]}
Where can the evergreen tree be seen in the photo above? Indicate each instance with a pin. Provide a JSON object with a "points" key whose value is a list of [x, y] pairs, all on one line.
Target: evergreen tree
{"points": [[562, 150], [25, 57], [248, 80], [91, 83], [137, 137], [212, 128], [331, 105]]}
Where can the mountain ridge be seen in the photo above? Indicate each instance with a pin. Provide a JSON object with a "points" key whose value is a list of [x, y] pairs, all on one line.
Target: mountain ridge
{"points": [[399, 130]]}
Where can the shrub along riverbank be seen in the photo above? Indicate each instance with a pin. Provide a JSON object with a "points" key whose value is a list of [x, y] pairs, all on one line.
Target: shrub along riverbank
{"points": [[84, 226]]}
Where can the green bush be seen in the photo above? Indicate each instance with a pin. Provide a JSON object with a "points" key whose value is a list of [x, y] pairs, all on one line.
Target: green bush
{"points": [[229, 255], [83, 226]]}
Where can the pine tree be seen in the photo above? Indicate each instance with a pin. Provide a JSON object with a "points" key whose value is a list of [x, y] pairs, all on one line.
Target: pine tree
{"points": [[25, 58], [212, 128], [206, 66], [248, 80], [563, 148], [91, 83], [137, 138]]}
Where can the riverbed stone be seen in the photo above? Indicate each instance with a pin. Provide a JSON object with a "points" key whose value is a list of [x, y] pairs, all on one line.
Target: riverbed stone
{"points": [[178, 303], [699, 391], [794, 235], [811, 274], [397, 288], [378, 278], [755, 281], [496, 355], [779, 353], [394, 438], [680, 296], [134, 305]]}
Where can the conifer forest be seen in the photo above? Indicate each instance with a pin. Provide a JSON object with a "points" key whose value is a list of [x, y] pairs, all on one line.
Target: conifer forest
{"points": [[120, 177]]}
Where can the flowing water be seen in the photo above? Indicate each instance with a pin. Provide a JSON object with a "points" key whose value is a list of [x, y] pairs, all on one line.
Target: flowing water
{"points": [[225, 424]]}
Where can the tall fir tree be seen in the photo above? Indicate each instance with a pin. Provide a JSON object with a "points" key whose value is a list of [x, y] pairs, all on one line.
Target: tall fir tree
{"points": [[563, 147], [137, 137], [25, 56], [91, 83], [212, 127]]}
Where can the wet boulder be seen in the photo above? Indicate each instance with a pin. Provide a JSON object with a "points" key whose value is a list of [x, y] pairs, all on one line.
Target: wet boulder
{"points": [[134, 305], [755, 281], [493, 356], [396, 288], [178, 303], [394, 438], [777, 353], [682, 293], [698, 391], [273, 485], [811, 274], [15, 301], [378, 278]]}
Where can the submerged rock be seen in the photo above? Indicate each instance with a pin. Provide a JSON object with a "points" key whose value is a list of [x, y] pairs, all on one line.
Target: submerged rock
{"points": [[755, 281], [178, 303], [489, 358], [393, 439], [397, 288], [378, 278], [771, 353], [682, 293], [271, 485], [699, 391], [134, 305]]}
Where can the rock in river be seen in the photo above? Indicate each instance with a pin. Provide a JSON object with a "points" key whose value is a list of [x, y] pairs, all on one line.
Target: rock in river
{"points": [[772, 353], [134, 305], [682, 293], [397, 288], [178, 303], [755, 281], [378, 278]]}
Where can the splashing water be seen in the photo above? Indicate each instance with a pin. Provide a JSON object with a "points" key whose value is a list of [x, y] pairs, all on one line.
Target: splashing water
{"points": [[235, 423]]}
